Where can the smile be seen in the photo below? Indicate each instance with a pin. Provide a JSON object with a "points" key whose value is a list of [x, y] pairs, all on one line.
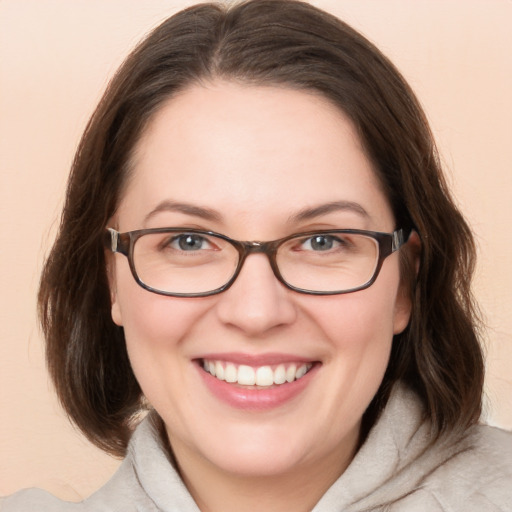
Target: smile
{"points": [[261, 376]]}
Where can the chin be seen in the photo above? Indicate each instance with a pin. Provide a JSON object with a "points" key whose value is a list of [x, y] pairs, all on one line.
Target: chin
{"points": [[253, 463]]}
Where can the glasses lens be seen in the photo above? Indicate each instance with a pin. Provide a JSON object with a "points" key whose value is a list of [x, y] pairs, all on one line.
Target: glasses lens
{"points": [[184, 262], [328, 262]]}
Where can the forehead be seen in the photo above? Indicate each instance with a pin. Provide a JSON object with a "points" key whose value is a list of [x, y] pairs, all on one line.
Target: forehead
{"points": [[250, 152]]}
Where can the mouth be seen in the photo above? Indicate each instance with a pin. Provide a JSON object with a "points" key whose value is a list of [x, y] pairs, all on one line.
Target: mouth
{"points": [[257, 383], [256, 377]]}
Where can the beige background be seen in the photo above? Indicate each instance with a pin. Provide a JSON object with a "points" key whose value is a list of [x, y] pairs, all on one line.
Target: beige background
{"points": [[55, 59]]}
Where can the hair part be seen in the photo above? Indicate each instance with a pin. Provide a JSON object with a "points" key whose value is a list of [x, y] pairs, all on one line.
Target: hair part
{"points": [[284, 43]]}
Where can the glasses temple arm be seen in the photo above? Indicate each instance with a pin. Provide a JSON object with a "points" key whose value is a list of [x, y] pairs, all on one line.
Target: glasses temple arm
{"points": [[111, 239]]}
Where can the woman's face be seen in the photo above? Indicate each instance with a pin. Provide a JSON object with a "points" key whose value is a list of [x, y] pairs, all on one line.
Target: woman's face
{"points": [[257, 163]]}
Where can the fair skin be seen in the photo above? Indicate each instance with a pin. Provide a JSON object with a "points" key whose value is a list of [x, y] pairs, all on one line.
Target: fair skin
{"points": [[252, 159]]}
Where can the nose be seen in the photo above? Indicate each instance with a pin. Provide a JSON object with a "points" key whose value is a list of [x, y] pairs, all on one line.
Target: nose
{"points": [[256, 302]]}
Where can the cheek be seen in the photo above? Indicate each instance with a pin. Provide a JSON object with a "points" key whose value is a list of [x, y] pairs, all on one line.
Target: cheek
{"points": [[155, 328], [360, 328], [152, 323], [358, 320], [361, 336]]}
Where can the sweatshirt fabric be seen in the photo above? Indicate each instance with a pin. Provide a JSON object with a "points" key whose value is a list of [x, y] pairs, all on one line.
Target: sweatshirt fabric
{"points": [[397, 469]]}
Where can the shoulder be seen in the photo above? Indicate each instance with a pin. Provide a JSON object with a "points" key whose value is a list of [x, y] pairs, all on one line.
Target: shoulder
{"points": [[36, 499], [145, 481], [122, 492], [401, 468], [469, 471], [475, 474]]}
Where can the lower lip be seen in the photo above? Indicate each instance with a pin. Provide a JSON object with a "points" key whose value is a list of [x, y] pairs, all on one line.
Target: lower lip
{"points": [[261, 399]]}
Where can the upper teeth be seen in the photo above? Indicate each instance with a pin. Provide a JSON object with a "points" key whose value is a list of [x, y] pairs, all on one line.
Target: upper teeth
{"points": [[259, 376]]}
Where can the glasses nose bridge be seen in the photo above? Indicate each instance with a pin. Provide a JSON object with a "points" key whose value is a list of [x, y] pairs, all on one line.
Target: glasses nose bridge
{"points": [[255, 247]]}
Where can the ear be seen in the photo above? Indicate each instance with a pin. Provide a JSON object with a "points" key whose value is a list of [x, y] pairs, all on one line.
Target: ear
{"points": [[112, 284], [409, 268]]}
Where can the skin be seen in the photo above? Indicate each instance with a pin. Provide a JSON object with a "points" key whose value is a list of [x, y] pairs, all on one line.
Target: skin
{"points": [[257, 156]]}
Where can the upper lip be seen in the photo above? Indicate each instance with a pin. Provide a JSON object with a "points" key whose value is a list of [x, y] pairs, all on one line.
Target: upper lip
{"points": [[267, 359]]}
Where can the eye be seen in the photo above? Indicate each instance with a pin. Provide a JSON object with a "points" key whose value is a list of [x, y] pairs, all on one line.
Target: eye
{"points": [[321, 243], [189, 242]]}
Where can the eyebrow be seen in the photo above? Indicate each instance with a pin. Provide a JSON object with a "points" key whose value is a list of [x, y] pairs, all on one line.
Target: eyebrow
{"points": [[324, 209], [186, 208], [213, 215]]}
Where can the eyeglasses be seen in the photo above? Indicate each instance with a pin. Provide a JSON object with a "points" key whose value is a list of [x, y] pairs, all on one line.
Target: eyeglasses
{"points": [[193, 263]]}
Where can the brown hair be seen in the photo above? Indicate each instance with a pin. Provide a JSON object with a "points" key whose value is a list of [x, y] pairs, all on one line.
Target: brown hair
{"points": [[274, 42]]}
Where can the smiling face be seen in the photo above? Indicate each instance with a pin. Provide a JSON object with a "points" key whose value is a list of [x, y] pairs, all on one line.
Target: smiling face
{"points": [[257, 163]]}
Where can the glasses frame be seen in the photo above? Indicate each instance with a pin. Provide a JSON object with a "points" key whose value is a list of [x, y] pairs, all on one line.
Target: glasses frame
{"points": [[124, 243]]}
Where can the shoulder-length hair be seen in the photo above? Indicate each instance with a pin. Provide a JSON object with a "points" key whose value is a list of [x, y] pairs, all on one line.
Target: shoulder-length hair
{"points": [[285, 43]]}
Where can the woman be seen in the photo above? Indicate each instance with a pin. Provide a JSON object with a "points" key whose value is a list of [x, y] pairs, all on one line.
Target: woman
{"points": [[258, 246]]}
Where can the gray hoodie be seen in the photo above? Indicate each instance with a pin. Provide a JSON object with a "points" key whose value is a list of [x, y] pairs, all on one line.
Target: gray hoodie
{"points": [[396, 470]]}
